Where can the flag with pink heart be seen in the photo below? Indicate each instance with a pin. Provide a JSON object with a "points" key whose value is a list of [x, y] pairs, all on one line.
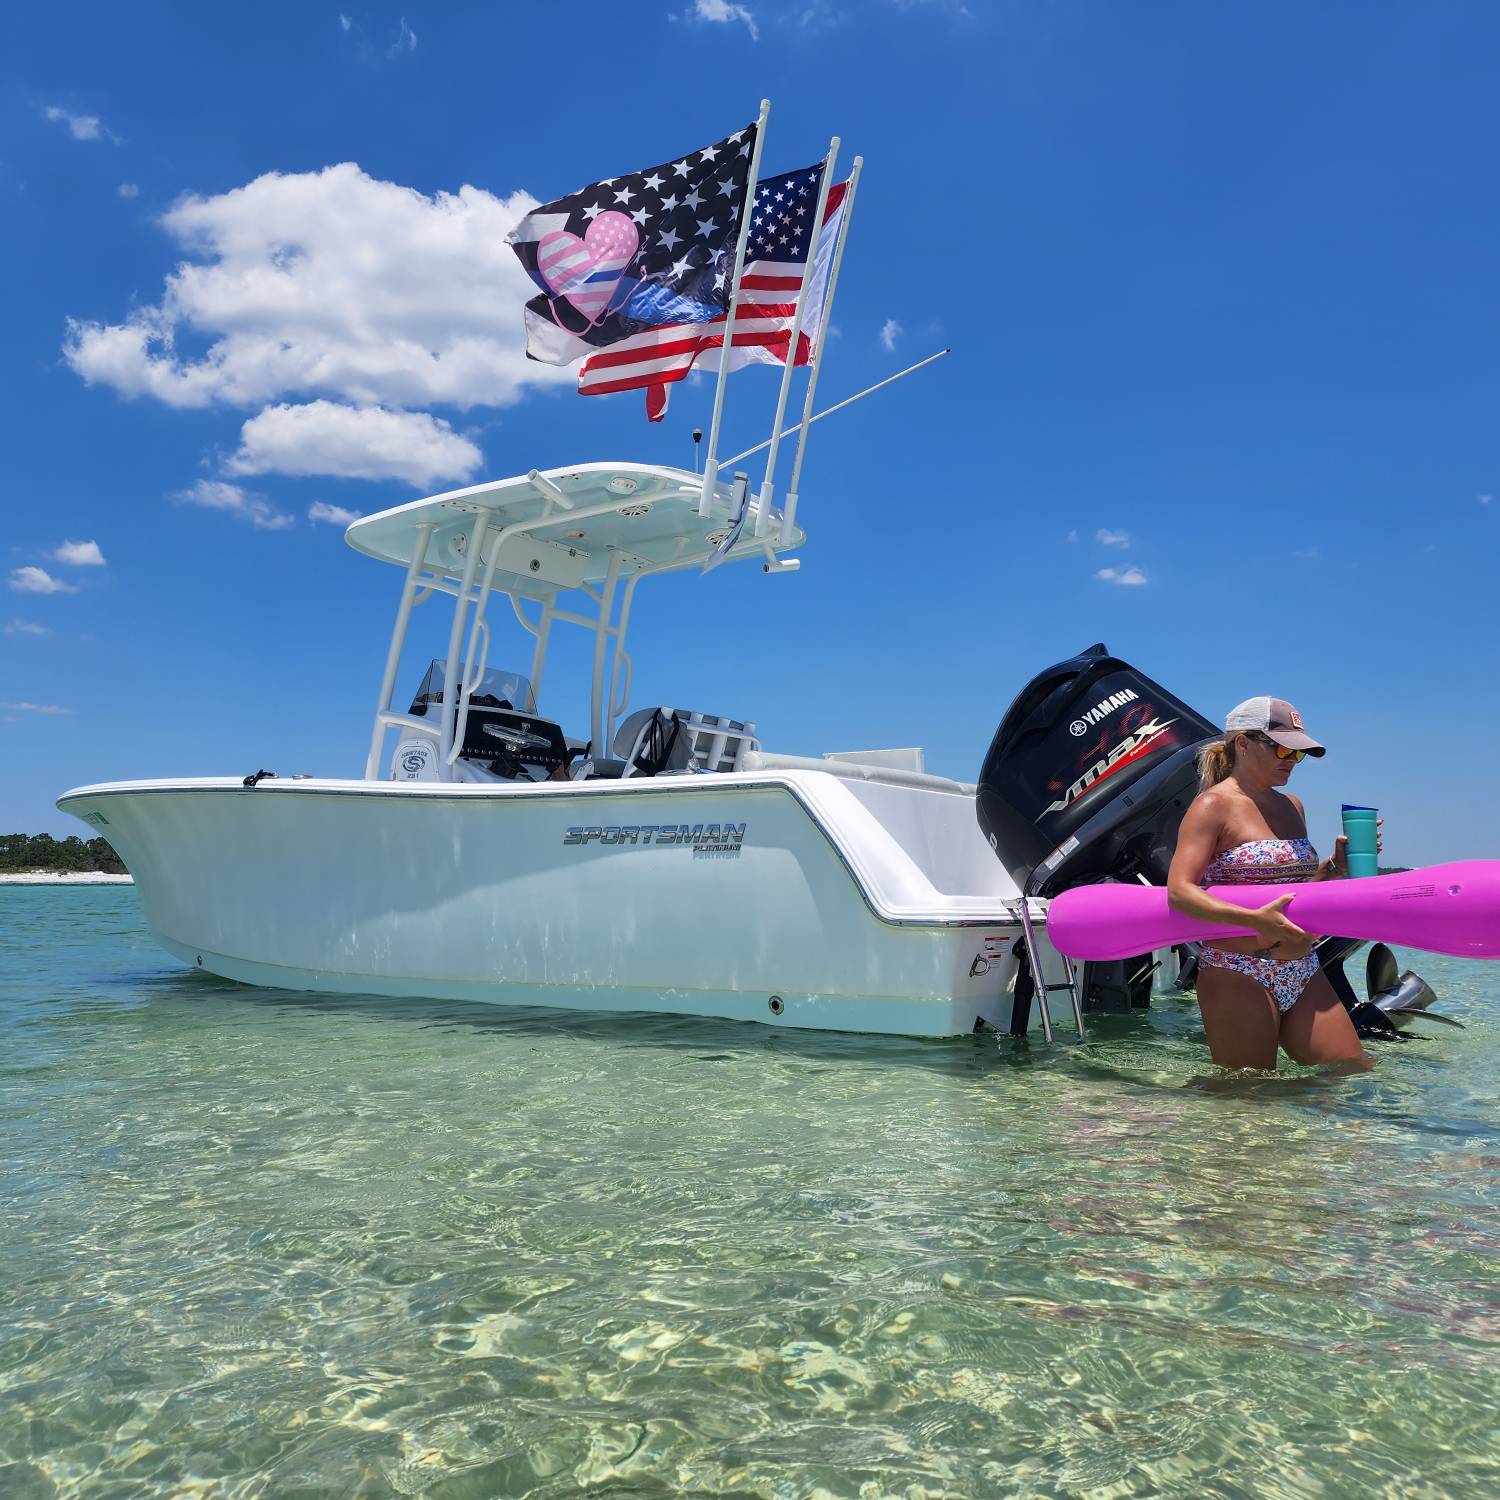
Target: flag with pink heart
{"points": [[629, 253]]}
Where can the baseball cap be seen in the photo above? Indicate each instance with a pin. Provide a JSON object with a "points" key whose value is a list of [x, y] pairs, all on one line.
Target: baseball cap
{"points": [[1276, 719]]}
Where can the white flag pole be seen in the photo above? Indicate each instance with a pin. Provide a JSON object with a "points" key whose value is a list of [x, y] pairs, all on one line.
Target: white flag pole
{"points": [[711, 467], [789, 510], [768, 484]]}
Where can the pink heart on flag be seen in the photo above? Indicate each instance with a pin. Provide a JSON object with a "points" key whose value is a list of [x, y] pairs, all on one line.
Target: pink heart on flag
{"points": [[586, 272]]}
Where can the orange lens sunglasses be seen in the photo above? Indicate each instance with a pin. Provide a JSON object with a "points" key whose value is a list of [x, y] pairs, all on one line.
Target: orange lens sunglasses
{"points": [[1282, 752]]}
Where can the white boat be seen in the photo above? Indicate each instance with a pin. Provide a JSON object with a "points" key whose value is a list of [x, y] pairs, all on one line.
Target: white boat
{"points": [[664, 860], [661, 859]]}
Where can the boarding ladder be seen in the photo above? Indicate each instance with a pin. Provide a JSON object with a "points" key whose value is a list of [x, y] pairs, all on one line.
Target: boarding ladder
{"points": [[1045, 989]]}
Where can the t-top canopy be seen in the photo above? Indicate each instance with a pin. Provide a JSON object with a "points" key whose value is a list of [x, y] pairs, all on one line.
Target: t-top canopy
{"points": [[574, 520]]}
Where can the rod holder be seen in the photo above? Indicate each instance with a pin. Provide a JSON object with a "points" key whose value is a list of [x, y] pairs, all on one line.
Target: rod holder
{"points": [[547, 489]]}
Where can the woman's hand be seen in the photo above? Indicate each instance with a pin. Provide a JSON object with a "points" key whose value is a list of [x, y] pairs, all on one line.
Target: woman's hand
{"points": [[1282, 937]]}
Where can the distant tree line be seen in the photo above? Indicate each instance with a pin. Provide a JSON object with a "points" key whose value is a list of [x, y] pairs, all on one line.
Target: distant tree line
{"points": [[40, 851]]}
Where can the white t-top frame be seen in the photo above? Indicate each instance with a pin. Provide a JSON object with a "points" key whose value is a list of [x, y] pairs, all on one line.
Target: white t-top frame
{"points": [[595, 530]]}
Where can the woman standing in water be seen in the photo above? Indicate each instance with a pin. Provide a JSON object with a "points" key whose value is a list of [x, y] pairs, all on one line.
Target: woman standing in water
{"points": [[1266, 991]]}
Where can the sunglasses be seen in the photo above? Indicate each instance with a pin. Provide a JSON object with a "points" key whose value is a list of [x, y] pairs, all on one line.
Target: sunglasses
{"points": [[1282, 752]]}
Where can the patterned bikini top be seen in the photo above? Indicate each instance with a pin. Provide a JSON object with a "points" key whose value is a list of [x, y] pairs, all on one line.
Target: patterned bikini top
{"points": [[1263, 862]]}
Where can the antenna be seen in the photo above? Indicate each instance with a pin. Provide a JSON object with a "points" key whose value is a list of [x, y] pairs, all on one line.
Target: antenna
{"points": [[697, 449], [828, 411]]}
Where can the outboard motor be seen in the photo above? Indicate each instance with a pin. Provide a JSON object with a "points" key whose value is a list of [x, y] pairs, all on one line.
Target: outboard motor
{"points": [[1088, 775], [1087, 779]]}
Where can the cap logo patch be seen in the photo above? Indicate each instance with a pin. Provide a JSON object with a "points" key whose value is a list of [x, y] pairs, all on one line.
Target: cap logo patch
{"points": [[1294, 716]]}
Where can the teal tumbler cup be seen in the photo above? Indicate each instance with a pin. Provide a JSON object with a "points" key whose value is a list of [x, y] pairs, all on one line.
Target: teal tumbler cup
{"points": [[1359, 829]]}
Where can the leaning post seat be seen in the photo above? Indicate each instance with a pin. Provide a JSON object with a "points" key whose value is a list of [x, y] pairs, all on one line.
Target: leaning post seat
{"points": [[656, 740]]}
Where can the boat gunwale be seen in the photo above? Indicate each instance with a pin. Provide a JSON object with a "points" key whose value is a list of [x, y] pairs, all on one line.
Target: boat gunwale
{"points": [[1007, 911]]}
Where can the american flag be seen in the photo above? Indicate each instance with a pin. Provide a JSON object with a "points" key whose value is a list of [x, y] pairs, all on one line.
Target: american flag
{"points": [[630, 253], [776, 260]]}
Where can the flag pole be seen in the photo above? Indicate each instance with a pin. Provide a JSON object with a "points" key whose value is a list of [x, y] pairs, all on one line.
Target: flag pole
{"points": [[828, 411], [767, 485], [789, 509], [711, 467]]}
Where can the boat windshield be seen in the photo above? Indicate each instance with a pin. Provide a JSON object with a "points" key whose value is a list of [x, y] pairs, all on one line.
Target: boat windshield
{"points": [[493, 690]]}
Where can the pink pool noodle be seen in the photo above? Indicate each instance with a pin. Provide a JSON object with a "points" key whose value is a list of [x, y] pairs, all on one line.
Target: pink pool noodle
{"points": [[1451, 908]]}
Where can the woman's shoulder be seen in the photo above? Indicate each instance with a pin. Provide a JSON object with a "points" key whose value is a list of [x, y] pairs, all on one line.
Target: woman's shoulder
{"points": [[1223, 798], [1215, 807]]}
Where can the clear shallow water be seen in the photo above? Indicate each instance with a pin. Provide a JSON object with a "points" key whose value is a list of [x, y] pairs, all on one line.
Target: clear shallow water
{"points": [[261, 1244]]}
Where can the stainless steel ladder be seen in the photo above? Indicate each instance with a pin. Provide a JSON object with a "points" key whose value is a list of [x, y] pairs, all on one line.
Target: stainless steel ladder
{"points": [[1039, 978]]}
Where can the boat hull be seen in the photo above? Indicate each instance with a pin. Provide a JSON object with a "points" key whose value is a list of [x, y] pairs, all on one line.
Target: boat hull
{"points": [[792, 900]]}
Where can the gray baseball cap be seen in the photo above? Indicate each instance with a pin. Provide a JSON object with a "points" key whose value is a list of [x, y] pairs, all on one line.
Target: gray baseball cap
{"points": [[1276, 719]]}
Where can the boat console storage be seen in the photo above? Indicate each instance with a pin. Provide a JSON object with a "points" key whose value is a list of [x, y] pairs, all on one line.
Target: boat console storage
{"points": [[503, 737]]}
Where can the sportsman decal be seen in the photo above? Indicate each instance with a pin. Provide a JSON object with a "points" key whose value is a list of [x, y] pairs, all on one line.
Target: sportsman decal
{"points": [[706, 840]]}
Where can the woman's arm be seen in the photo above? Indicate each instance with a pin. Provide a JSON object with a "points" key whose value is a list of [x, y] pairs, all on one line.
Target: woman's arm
{"points": [[1197, 839]]}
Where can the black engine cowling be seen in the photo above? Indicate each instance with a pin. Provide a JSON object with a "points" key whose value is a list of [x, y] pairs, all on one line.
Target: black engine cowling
{"points": [[1089, 774]]}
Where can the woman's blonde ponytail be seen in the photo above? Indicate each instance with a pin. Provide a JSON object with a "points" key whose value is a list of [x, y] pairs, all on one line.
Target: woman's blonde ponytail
{"points": [[1215, 762]]}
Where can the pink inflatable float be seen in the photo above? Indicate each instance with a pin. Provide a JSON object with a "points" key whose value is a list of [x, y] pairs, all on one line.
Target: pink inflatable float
{"points": [[1442, 909]]}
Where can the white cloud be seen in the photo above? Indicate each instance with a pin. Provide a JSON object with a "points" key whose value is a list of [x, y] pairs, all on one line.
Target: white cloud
{"points": [[890, 331], [819, 14], [39, 581], [82, 127], [80, 555], [128, 190], [329, 284], [320, 510], [215, 494], [26, 627], [725, 11], [1112, 538], [1307, 554], [1127, 576], [406, 40], [1485, 499], [1073, 535], [352, 442], [344, 22], [37, 708]]}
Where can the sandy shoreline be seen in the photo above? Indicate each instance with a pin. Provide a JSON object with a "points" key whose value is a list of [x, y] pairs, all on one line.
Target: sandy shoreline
{"points": [[85, 877]]}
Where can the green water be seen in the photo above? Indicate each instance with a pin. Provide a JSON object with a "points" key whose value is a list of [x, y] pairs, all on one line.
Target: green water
{"points": [[259, 1244]]}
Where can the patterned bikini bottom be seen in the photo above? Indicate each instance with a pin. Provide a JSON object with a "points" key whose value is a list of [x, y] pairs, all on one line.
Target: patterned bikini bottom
{"points": [[1283, 979]]}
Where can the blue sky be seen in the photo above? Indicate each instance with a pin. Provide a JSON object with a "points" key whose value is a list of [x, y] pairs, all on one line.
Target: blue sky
{"points": [[1219, 280]]}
